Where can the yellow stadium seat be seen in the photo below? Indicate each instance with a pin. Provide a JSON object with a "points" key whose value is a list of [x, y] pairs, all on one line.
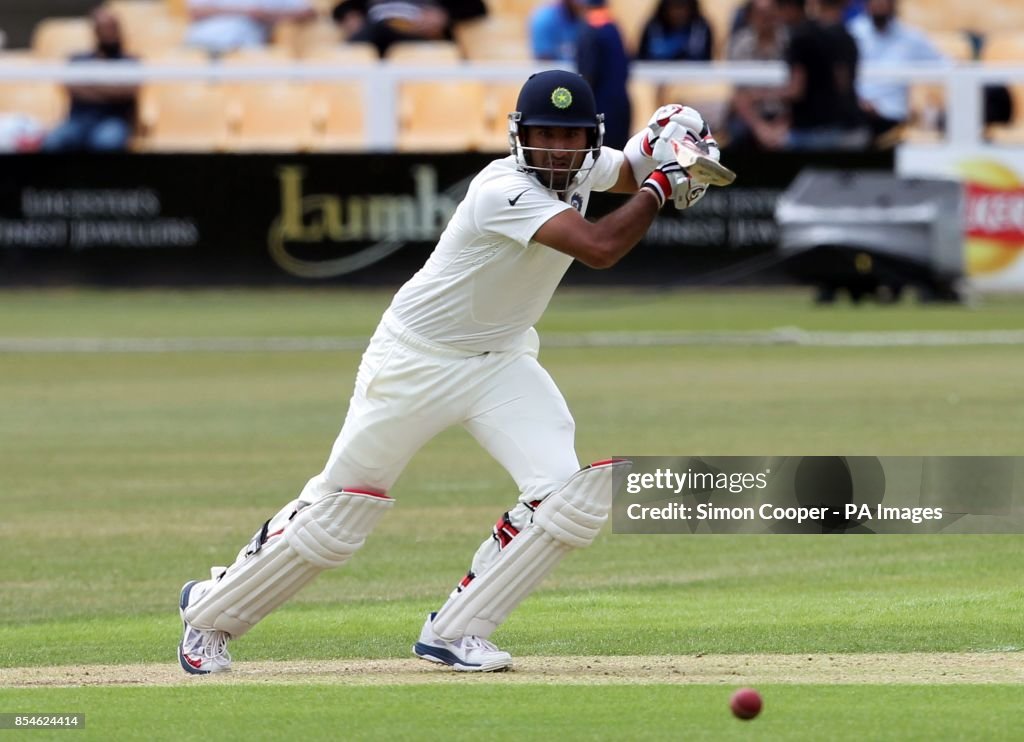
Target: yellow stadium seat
{"points": [[256, 56], [710, 98], [182, 116], [955, 45], [644, 98], [337, 116], [499, 101], [631, 17], [179, 56], [299, 38], [1004, 47], [269, 116], [137, 14], [494, 37], [59, 38], [515, 8], [424, 52], [45, 102], [719, 14], [158, 35], [177, 8], [343, 55], [440, 116]]}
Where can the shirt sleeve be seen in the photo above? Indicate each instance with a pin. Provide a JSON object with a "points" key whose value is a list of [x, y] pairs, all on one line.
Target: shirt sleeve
{"points": [[515, 208], [606, 170]]}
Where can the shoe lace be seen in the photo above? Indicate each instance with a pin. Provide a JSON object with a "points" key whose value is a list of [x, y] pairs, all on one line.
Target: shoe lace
{"points": [[478, 642], [210, 644]]}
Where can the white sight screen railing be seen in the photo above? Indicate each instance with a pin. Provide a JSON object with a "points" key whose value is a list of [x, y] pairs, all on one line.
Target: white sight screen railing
{"points": [[963, 82]]}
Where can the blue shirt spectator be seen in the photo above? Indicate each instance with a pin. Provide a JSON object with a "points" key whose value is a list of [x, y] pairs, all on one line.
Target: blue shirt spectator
{"points": [[602, 60], [554, 31], [882, 39], [677, 32]]}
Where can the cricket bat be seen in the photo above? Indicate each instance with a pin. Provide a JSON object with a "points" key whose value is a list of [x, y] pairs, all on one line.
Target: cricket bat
{"points": [[701, 168]]}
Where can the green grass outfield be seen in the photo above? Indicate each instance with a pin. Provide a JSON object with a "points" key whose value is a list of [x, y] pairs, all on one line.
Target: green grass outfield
{"points": [[123, 474]]}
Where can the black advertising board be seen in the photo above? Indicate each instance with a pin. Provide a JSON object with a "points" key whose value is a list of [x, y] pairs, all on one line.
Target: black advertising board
{"points": [[223, 219]]}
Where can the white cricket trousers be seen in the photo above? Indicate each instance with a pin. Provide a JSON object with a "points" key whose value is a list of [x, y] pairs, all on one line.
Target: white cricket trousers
{"points": [[409, 389]]}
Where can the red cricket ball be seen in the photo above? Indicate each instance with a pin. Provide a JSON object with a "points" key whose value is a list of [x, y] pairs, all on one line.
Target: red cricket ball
{"points": [[746, 703]]}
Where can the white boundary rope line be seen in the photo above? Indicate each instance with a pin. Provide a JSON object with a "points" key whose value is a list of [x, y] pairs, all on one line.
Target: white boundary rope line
{"points": [[780, 336]]}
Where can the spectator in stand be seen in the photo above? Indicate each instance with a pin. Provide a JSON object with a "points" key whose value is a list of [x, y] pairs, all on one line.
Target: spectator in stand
{"points": [[602, 60], [822, 86], [740, 18], [554, 31], [385, 22], [221, 26], [757, 117], [677, 31], [884, 40], [101, 117]]}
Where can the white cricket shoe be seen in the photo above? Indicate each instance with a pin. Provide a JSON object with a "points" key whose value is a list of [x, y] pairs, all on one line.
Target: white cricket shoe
{"points": [[468, 654], [200, 651]]}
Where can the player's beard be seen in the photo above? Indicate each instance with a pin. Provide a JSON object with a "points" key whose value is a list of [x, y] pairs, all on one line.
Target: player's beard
{"points": [[557, 174]]}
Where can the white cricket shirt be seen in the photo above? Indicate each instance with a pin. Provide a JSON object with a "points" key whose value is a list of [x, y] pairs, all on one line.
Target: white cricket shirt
{"points": [[488, 280]]}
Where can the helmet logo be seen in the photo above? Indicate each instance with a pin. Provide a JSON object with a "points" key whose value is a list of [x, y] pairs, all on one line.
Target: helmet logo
{"points": [[561, 98]]}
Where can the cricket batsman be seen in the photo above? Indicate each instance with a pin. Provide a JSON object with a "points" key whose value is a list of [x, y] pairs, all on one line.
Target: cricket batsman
{"points": [[457, 347]]}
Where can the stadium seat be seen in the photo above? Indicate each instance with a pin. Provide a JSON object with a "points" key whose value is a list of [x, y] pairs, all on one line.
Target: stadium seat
{"points": [[343, 55], [136, 14], [156, 36], [59, 38], [178, 56], [644, 98], [440, 116], [990, 16], [494, 38], [257, 56], [424, 52], [514, 8], [337, 116], [710, 98], [45, 102], [632, 16], [178, 8], [299, 38], [182, 116], [719, 14], [499, 101], [268, 116], [939, 15], [956, 45]]}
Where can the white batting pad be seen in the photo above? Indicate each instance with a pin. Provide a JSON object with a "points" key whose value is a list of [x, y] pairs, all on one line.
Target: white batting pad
{"points": [[321, 535], [568, 519]]}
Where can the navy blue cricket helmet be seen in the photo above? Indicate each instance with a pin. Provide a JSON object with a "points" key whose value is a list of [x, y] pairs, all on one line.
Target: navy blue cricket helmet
{"points": [[556, 98]]}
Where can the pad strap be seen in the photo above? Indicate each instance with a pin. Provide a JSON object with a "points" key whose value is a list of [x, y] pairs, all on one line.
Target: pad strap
{"points": [[318, 536]]}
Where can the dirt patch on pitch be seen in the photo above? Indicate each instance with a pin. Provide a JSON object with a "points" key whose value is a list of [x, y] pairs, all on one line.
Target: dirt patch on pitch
{"points": [[937, 668]]}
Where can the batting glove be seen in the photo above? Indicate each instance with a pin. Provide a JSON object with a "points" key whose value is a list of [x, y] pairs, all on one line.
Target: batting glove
{"points": [[675, 121], [670, 181]]}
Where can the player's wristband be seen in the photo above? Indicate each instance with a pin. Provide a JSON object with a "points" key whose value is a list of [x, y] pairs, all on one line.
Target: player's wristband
{"points": [[658, 184]]}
